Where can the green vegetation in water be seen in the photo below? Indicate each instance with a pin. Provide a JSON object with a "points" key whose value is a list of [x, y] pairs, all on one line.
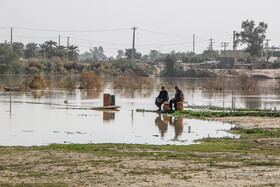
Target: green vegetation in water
{"points": [[201, 114], [242, 109], [218, 113]]}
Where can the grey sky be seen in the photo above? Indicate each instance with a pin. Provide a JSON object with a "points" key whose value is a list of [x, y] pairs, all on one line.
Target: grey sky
{"points": [[163, 24]]}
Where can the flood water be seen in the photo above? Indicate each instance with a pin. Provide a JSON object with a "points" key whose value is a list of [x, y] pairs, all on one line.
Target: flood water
{"points": [[42, 117]]}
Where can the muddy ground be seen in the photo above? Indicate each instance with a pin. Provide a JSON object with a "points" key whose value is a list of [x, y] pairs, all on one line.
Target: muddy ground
{"points": [[252, 121]]}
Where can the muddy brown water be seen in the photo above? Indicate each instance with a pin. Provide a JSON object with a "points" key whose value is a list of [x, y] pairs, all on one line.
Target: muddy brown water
{"points": [[42, 117]]}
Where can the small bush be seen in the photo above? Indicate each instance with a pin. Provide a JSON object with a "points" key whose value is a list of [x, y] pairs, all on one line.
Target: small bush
{"points": [[38, 82], [133, 82], [67, 85], [90, 80]]}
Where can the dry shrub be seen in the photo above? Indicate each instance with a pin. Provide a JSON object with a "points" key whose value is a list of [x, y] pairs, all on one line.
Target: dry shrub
{"points": [[244, 82], [133, 82], [90, 80], [217, 83], [1, 86], [38, 82], [24, 85], [67, 85], [49, 83]]}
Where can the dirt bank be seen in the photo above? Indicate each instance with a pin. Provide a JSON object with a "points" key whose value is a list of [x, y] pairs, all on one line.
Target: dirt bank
{"points": [[252, 121], [269, 73]]}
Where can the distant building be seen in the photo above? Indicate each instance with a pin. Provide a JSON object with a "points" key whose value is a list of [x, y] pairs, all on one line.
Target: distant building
{"points": [[225, 62], [235, 54]]}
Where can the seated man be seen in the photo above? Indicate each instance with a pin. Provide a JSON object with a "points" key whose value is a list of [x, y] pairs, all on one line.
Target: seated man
{"points": [[162, 97], [179, 96]]}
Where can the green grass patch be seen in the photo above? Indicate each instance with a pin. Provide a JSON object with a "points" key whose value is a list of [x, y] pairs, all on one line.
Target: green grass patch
{"points": [[270, 163]]}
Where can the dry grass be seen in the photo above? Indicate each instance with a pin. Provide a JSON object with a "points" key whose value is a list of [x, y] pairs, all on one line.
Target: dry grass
{"points": [[67, 84], [133, 82], [90, 80], [217, 83], [38, 82], [244, 82]]}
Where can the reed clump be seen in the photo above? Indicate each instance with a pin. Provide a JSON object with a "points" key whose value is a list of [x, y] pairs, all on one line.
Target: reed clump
{"points": [[67, 85], [133, 82], [38, 82], [244, 82], [217, 83], [90, 80]]}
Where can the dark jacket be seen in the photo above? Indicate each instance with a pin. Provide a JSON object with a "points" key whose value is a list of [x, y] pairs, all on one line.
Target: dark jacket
{"points": [[163, 94], [179, 96]]}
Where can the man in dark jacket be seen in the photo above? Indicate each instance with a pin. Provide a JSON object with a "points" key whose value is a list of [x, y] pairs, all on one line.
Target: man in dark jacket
{"points": [[179, 96], [162, 97]]}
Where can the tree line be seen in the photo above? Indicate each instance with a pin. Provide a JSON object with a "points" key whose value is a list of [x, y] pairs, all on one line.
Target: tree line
{"points": [[47, 49]]}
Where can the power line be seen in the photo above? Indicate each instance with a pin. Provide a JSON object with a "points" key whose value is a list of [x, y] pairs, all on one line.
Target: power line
{"points": [[52, 30]]}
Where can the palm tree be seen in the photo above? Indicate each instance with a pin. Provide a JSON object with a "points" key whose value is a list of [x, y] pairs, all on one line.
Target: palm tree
{"points": [[43, 49], [73, 52], [49, 48], [31, 50], [61, 51]]}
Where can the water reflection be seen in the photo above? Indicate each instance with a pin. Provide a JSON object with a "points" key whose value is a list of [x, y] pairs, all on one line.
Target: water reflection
{"points": [[91, 93], [37, 94], [108, 116], [177, 123], [162, 122]]}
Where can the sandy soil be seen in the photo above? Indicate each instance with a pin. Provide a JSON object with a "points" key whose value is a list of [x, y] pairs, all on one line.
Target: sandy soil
{"points": [[252, 121], [85, 169]]}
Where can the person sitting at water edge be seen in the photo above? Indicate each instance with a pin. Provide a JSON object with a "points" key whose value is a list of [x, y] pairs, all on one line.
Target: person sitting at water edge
{"points": [[179, 96], [162, 97]]}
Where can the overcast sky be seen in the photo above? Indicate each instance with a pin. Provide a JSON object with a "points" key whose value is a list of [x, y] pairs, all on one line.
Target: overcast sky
{"points": [[163, 25]]}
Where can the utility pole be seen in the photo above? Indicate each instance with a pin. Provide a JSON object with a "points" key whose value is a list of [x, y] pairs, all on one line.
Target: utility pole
{"points": [[224, 45], [133, 43], [11, 36], [234, 41], [193, 43], [266, 48], [59, 40], [211, 44], [67, 47]]}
